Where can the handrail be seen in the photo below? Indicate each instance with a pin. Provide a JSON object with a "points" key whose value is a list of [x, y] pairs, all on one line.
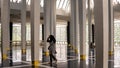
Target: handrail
{"points": [[28, 43]]}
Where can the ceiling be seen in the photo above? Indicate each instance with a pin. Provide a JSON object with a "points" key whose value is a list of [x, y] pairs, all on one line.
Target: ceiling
{"points": [[63, 5]]}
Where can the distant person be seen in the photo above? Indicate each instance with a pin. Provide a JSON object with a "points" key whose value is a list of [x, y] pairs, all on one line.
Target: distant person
{"points": [[52, 51]]}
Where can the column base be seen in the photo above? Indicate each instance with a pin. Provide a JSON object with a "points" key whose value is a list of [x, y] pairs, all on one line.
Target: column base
{"points": [[23, 57], [111, 61], [5, 63], [91, 63], [23, 54], [73, 64], [83, 64], [45, 58], [35, 67], [35, 64]]}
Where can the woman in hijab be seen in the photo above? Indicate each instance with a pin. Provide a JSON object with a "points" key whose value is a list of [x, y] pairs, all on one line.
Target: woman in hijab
{"points": [[52, 51]]}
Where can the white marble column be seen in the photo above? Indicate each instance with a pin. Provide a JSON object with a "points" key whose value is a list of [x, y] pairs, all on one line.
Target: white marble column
{"points": [[49, 24], [35, 25], [90, 38], [46, 29], [111, 35], [73, 45], [5, 41], [74, 25], [53, 17], [82, 25], [23, 29], [101, 33]]}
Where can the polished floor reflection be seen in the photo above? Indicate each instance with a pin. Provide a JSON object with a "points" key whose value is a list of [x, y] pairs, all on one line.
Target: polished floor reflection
{"points": [[62, 56]]}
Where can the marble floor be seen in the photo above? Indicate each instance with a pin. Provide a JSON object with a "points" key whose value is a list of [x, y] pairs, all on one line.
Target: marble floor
{"points": [[60, 64]]}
